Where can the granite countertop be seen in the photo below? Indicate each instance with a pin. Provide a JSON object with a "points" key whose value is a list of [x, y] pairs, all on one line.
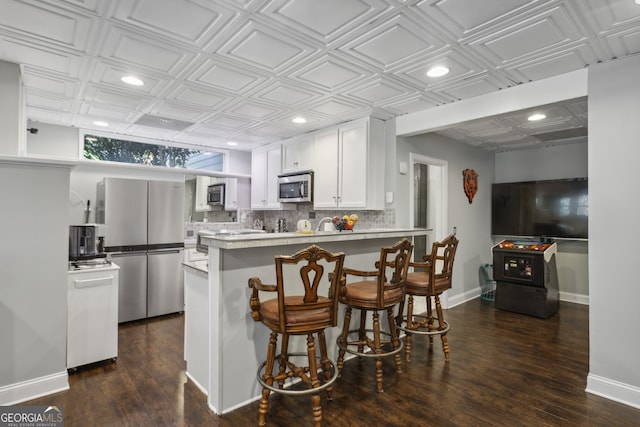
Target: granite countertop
{"points": [[240, 241]]}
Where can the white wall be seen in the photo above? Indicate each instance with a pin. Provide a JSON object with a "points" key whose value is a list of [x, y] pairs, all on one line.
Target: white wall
{"points": [[33, 288], [473, 221], [558, 162], [12, 122], [53, 140], [614, 129]]}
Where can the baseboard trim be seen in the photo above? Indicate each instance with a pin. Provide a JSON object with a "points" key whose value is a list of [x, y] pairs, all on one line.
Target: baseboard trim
{"points": [[197, 384], [575, 298], [452, 301], [32, 389], [613, 390]]}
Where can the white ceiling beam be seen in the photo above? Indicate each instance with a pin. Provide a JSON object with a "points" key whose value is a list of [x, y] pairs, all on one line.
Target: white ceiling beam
{"points": [[542, 92]]}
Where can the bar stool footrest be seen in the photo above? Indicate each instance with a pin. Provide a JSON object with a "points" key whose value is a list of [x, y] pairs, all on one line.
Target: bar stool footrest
{"points": [[299, 392], [423, 330], [345, 346]]}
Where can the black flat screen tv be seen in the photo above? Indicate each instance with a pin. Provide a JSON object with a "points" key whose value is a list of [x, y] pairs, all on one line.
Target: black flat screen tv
{"points": [[539, 209]]}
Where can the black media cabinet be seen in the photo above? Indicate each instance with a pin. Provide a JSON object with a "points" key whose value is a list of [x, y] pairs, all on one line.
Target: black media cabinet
{"points": [[526, 277]]}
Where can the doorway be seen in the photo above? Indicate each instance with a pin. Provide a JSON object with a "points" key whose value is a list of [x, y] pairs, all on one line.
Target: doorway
{"points": [[428, 204]]}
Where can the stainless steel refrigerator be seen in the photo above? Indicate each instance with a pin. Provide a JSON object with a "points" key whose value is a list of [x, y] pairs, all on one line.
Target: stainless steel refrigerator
{"points": [[144, 223]]}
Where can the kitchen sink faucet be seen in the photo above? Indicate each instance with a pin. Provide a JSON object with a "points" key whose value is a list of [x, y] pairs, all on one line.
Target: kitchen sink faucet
{"points": [[322, 221]]}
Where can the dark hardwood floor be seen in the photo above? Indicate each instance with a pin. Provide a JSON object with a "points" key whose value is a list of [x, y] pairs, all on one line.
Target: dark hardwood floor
{"points": [[506, 369]]}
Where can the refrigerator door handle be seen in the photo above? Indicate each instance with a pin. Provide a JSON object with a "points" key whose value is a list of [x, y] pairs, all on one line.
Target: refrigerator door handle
{"points": [[123, 254]]}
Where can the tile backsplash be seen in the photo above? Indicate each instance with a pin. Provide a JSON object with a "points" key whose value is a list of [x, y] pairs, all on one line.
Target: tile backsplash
{"points": [[247, 219]]}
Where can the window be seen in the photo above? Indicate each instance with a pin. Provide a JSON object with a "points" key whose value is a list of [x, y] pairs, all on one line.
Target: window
{"points": [[118, 150]]}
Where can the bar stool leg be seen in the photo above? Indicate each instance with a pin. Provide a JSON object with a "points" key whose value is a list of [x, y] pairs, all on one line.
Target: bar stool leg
{"points": [[394, 339], [363, 332], [378, 350], [430, 319], [326, 363], [268, 378], [409, 339], [282, 360], [316, 408], [441, 326], [343, 336]]}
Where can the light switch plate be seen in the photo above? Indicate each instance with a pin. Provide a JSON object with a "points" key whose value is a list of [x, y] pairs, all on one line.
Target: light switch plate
{"points": [[389, 197]]}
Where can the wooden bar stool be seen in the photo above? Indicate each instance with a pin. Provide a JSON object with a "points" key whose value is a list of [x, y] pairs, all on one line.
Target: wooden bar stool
{"points": [[383, 290], [431, 282], [293, 312]]}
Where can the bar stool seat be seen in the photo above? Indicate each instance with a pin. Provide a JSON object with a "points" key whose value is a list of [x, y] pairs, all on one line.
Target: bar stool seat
{"points": [[270, 313], [288, 315], [383, 291]]}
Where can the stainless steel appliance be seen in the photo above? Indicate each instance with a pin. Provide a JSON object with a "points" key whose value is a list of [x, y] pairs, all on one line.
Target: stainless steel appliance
{"points": [[145, 236], [296, 187], [215, 194], [83, 242]]}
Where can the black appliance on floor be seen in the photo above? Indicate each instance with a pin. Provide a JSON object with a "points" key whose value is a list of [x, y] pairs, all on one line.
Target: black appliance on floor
{"points": [[526, 277]]}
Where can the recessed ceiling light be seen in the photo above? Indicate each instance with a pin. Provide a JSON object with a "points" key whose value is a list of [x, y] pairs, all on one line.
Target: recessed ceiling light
{"points": [[637, 1], [438, 71], [299, 120], [536, 117], [232, 143], [132, 80], [101, 123]]}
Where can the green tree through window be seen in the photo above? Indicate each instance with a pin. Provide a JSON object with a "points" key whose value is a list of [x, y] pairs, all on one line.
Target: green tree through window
{"points": [[117, 150]]}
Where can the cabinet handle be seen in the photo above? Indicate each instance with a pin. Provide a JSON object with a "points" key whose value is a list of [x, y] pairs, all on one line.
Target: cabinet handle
{"points": [[89, 283]]}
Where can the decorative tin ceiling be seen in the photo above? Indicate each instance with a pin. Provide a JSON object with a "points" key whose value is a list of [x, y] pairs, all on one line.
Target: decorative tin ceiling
{"points": [[241, 70]]}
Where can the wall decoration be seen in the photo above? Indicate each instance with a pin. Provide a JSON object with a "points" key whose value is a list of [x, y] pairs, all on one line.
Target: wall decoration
{"points": [[470, 181]]}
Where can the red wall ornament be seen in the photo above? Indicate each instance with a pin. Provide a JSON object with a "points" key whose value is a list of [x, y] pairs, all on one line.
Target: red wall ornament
{"points": [[470, 181]]}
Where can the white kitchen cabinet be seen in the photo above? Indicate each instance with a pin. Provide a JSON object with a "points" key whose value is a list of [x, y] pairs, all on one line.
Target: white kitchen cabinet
{"points": [[265, 168], [297, 154], [202, 182], [325, 169], [92, 320], [231, 195], [349, 166]]}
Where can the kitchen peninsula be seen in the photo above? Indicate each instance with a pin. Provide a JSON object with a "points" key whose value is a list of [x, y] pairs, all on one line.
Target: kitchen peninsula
{"points": [[223, 345]]}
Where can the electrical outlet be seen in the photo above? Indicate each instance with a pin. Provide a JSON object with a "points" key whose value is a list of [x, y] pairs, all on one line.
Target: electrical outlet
{"points": [[455, 230], [389, 197]]}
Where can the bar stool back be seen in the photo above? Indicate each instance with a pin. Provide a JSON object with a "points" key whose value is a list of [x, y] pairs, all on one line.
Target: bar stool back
{"points": [[381, 289], [429, 279], [306, 311]]}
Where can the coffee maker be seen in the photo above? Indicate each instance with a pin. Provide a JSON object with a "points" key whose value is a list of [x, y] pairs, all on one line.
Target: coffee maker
{"points": [[84, 242]]}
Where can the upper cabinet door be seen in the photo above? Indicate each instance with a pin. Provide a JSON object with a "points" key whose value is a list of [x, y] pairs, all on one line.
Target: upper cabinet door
{"points": [[297, 154], [202, 184], [325, 177], [265, 168], [349, 166], [352, 165], [273, 170], [258, 176]]}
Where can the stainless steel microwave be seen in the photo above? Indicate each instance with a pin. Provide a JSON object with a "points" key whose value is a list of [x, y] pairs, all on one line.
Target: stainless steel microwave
{"points": [[215, 195], [296, 187]]}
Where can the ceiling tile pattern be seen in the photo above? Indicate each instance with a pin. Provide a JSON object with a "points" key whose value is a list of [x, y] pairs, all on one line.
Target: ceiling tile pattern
{"points": [[241, 70]]}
